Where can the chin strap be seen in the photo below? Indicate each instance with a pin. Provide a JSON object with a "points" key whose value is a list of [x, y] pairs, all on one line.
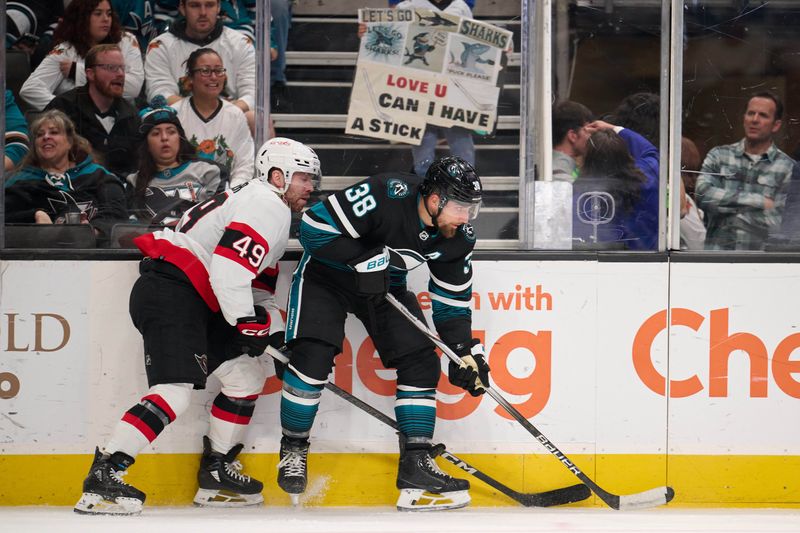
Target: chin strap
{"points": [[434, 218]]}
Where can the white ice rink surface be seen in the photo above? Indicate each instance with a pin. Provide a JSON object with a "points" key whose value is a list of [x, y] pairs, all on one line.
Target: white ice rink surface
{"points": [[386, 520]]}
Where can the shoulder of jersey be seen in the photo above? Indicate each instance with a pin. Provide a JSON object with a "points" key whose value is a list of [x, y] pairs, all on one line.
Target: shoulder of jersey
{"points": [[398, 185]]}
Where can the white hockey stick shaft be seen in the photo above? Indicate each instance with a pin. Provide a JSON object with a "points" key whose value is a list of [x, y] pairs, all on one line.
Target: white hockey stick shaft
{"points": [[648, 498]]}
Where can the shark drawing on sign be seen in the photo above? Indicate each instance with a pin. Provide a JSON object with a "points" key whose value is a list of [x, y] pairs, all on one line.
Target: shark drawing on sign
{"points": [[471, 57], [434, 20], [421, 49], [382, 37]]}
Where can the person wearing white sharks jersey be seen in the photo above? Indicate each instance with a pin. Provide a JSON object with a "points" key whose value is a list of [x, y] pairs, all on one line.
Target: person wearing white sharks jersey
{"points": [[354, 243], [204, 304]]}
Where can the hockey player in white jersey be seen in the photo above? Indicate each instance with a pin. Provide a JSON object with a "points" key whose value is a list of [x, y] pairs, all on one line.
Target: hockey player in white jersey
{"points": [[204, 304]]}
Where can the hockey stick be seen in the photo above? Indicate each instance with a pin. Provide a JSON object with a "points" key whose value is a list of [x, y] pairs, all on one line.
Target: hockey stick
{"points": [[571, 494], [648, 498]]}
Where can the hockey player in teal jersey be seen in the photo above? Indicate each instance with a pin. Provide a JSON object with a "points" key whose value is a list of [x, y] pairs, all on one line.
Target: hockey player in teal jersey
{"points": [[360, 244]]}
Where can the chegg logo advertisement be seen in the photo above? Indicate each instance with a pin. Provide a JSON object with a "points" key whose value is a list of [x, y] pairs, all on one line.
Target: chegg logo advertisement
{"points": [[363, 361], [717, 359], [771, 371]]}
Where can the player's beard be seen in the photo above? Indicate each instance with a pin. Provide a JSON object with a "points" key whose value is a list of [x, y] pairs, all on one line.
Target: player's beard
{"points": [[448, 231]]}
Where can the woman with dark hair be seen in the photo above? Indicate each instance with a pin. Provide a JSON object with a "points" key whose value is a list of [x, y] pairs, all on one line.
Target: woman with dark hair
{"points": [[59, 182], [171, 178], [86, 23], [215, 126], [621, 164]]}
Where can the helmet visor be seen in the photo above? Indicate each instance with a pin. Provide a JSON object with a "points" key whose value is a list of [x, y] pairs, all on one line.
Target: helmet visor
{"points": [[459, 209], [314, 178]]}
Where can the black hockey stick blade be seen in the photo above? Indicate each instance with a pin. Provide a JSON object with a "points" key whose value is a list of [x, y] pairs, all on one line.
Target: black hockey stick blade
{"points": [[640, 500], [550, 498], [561, 496]]}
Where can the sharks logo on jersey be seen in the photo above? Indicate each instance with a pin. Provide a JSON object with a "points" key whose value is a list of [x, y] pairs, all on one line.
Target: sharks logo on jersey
{"points": [[397, 188], [469, 231]]}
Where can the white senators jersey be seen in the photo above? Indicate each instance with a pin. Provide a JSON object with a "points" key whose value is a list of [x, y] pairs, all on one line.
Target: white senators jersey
{"points": [[229, 247]]}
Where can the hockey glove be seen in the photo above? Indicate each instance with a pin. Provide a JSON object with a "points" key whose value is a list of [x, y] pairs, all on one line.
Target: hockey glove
{"points": [[372, 274], [252, 334], [474, 375], [279, 352]]}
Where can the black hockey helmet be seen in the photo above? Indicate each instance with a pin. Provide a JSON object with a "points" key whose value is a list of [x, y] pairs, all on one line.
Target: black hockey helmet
{"points": [[452, 178]]}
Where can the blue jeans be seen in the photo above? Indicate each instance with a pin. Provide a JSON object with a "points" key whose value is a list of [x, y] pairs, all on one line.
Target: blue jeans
{"points": [[459, 139], [281, 11]]}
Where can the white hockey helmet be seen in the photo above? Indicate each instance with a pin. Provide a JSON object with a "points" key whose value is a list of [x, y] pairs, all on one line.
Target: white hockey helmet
{"points": [[289, 156]]}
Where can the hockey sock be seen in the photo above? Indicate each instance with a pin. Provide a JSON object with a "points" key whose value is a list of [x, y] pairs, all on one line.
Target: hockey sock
{"points": [[415, 409], [299, 402], [143, 422], [229, 419]]}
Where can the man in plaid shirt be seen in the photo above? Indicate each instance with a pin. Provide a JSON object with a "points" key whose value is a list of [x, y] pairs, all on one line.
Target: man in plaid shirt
{"points": [[742, 186]]}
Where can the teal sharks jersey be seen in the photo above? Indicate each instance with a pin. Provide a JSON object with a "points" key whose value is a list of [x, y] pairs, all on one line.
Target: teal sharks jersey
{"points": [[382, 211]]}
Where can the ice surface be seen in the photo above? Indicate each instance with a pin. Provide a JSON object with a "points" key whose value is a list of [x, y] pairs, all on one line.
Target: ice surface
{"points": [[387, 520]]}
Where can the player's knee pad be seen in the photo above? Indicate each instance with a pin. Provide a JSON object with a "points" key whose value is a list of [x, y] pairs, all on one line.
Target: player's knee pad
{"points": [[312, 359], [176, 397], [418, 369], [242, 376]]}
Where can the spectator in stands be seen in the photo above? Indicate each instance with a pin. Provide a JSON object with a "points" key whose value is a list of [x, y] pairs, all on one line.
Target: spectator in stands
{"points": [[27, 20], [16, 142], [215, 126], [85, 24], [741, 186], [569, 138], [200, 27], [171, 178], [30, 25], [630, 163], [239, 15], [692, 228], [59, 179], [641, 113], [100, 113], [138, 17]]}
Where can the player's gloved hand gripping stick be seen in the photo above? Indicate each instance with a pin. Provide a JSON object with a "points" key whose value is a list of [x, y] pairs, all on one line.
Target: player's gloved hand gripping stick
{"points": [[473, 376], [372, 274], [648, 498], [252, 334]]}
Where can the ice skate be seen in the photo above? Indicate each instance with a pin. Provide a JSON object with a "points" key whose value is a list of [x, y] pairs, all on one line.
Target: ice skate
{"points": [[104, 492], [222, 483], [292, 468], [424, 487]]}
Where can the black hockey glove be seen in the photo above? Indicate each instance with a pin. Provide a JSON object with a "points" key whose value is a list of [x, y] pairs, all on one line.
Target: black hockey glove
{"points": [[252, 335], [279, 352], [372, 274], [474, 376]]}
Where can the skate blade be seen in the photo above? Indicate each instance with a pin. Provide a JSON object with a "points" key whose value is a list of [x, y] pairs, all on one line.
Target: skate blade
{"points": [[423, 500], [225, 498], [91, 503], [295, 498]]}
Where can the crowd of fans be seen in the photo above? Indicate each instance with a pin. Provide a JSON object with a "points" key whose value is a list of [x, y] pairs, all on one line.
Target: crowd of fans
{"points": [[734, 199], [138, 110], [160, 94]]}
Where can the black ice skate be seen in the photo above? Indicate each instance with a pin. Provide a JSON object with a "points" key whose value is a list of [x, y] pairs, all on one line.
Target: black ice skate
{"points": [[104, 492], [222, 483], [292, 468], [424, 487]]}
